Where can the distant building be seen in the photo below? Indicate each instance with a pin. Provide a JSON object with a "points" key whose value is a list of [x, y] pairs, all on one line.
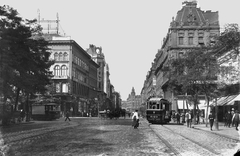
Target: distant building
{"points": [[103, 81], [133, 101]]}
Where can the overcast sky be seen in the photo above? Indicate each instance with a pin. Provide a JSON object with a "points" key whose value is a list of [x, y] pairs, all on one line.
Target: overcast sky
{"points": [[129, 31]]}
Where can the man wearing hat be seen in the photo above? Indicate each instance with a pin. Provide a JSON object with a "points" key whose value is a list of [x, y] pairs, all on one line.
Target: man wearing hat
{"points": [[235, 119]]}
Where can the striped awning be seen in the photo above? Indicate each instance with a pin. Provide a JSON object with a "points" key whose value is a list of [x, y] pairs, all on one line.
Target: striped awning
{"points": [[237, 98], [226, 100]]}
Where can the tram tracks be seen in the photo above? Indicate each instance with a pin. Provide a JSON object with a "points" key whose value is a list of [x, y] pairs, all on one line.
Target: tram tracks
{"points": [[179, 144], [171, 148], [195, 142]]}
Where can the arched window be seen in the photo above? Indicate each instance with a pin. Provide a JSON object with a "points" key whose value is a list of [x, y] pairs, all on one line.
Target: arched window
{"points": [[64, 88], [60, 56], [65, 56], [57, 70], [64, 70], [55, 56]]}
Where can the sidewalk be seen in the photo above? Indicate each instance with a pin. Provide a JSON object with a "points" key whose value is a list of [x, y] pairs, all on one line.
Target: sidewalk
{"points": [[223, 131]]}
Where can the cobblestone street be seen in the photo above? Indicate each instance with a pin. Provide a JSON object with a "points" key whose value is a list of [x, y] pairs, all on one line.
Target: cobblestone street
{"points": [[189, 141], [96, 137], [84, 136]]}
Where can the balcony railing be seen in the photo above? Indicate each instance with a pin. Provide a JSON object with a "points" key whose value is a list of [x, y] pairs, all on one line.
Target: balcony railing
{"points": [[60, 77]]}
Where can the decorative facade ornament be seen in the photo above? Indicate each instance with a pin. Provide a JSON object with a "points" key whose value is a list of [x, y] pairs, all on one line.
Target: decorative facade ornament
{"points": [[191, 18]]}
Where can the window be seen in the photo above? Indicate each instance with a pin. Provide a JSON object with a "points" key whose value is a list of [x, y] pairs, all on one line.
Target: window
{"points": [[58, 88], [64, 70], [60, 56], [74, 73], [200, 40], [55, 56], [57, 70], [180, 54], [180, 40], [190, 40], [64, 88], [65, 56]]}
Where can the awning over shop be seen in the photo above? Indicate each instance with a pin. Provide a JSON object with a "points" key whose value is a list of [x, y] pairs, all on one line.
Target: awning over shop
{"points": [[226, 100], [237, 98], [180, 104]]}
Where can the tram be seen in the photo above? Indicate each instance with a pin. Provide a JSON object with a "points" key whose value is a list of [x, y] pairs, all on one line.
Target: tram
{"points": [[158, 110], [46, 111]]}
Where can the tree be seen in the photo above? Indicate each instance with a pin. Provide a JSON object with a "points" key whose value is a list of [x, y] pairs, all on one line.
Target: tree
{"points": [[229, 40], [24, 56], [227, 47], [194, 74]]}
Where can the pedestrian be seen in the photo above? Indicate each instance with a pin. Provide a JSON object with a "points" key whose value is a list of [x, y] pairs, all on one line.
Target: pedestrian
{"points": [[135, 118], [235, 119], [178, 118], [67, 116], [189, 119], [232, 112], [229, 119], [202, 116], [211, 120], [198, 118], [174, 116]]}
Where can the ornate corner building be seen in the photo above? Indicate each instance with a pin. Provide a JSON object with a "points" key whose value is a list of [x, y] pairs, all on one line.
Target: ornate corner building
{"points": [[192, 28]]}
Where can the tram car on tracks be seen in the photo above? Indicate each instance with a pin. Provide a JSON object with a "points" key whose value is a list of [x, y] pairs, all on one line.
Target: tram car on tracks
{"points": [[158, 110], [45, 111]]}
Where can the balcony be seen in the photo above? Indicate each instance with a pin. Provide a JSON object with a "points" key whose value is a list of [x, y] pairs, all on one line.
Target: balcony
{"points": [[60, 77]]}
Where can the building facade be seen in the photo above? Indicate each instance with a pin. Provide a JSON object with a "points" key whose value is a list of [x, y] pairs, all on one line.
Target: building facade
{"points": [[192, 28], [104, 88], [75, 75], [133, 101]]}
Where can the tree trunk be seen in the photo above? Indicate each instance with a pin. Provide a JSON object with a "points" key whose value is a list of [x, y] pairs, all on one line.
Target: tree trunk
{"points": [[207, 99], [27, 108], [194, 113], [194, 108], [16, 101]]}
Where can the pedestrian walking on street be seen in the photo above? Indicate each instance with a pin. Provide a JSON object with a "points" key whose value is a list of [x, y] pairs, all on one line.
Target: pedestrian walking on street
{"points": [[211, 120], [229, 119], [189, 119], [178, 118], [232, 112], [135, 119], [198, 118], [67, 116], [235, 119]]}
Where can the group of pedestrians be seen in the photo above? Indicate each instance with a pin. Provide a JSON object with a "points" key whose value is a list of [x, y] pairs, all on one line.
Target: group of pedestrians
{"points": [[231, 118], [235, 119]]}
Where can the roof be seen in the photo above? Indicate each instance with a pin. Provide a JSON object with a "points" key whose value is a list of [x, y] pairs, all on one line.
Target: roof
{"points": [[155, 99], [190, 15], [226, 100]]}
